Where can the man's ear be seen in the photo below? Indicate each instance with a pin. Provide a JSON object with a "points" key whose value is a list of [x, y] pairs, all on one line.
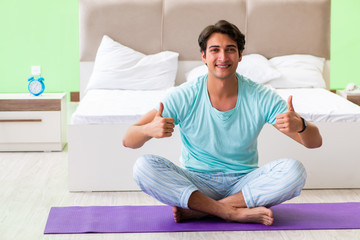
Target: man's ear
{"points": [[203, 56], [240, 55]]}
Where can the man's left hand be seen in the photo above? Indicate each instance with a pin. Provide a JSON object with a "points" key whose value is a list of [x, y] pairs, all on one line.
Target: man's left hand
{"points": [[289, 122]]}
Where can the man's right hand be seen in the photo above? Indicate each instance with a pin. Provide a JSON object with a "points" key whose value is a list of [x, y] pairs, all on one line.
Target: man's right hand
{"points": [[151, 125], [160, 127]]}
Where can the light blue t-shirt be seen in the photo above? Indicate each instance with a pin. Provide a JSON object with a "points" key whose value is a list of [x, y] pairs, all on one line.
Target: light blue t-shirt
{"points": [[215, 141]]}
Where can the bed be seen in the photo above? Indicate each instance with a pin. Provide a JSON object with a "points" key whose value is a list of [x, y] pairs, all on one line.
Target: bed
{"points": [[278, 31]]}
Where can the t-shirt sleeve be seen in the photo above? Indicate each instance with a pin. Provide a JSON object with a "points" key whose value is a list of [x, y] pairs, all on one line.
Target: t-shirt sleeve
{"points": [[272, 103], [178, 102]]}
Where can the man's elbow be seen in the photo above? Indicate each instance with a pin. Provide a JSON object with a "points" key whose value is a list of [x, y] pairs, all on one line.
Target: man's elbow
{"points": [[126, 144], [315, 144]]}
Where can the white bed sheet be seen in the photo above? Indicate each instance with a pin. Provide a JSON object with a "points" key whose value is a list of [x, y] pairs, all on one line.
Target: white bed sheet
{"points": [[125, 106], [321, 105], [116, 106]]}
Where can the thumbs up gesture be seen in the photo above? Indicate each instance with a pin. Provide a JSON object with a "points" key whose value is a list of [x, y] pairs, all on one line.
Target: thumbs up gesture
{"points": [[289, 121], [161, 109], [161, 127], [290, 105]]}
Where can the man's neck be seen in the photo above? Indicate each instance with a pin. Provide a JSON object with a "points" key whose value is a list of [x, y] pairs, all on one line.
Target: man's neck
{"points": [[223, 93]]}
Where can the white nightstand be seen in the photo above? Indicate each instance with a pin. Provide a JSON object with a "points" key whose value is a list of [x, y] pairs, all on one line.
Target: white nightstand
{"points": [[352, 97], [29, 123]]}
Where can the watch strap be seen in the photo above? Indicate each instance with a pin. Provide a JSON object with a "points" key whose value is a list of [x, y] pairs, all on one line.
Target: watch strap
{"points": [[304, 125]]}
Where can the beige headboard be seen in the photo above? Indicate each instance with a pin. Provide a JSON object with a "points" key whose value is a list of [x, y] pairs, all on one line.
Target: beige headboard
{"points": [[272, 27]]}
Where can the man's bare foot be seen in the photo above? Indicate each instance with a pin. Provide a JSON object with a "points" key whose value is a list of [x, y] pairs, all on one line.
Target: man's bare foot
{"points": [[261, 215], [254, 215], [181, 214], [231, 209]]}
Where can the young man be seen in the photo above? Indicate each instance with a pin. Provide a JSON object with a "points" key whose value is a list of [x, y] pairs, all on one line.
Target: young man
{"points": [[220, 116]]}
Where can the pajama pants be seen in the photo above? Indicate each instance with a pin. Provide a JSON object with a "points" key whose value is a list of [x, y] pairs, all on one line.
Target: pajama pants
{"points": [[267, 186]]}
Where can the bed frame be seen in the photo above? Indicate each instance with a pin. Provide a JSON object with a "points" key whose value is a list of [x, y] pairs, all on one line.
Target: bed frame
{"points": [[97, 159]]}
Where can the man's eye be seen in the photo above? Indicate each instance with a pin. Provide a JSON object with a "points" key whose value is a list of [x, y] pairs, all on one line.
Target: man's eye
{"points": [[213, 50], [231, 50]]}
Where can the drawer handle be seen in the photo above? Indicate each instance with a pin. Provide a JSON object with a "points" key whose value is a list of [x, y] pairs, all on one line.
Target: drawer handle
{"points": [[20, 120]]}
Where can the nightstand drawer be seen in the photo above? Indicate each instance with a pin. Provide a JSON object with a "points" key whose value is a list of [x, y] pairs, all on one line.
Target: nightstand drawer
{"points": [[32, 126], [30, 104]]}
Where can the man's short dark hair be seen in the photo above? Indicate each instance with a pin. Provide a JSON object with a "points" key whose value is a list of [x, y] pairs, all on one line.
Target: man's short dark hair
{"points": [[223, 27]]}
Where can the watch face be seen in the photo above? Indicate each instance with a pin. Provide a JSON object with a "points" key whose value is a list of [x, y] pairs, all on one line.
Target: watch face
{"points": [[35, 87]]}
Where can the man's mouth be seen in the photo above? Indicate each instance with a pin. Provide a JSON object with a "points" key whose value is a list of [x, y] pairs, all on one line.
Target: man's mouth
{"points": [[223, 66]]}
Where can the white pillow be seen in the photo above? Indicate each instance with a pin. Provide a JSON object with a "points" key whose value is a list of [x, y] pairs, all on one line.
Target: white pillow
{"points": [[254, 66], [299, 71], [196, 72], [119, 67], [257, 68]]}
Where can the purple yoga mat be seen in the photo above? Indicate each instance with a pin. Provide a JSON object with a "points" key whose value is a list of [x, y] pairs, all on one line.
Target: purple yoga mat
{"points": [[138, 219]]}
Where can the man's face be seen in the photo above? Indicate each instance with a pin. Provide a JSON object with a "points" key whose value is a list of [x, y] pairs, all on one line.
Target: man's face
{"points": [[222, 56]]}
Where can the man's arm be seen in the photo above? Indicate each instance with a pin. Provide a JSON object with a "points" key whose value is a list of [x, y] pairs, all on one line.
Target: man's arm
{"points": [[150, 125], [290, 123]]}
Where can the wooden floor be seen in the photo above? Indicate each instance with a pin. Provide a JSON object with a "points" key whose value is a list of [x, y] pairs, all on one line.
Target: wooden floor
{"points": [[32, 183]]}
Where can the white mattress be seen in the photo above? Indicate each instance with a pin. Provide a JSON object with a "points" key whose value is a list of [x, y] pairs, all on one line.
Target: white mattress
{"points": [[116, 106], [125, 106], [321, 105]]}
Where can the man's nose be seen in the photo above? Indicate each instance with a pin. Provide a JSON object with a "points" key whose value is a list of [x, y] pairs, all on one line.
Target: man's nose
{"points": [[222, 55]]}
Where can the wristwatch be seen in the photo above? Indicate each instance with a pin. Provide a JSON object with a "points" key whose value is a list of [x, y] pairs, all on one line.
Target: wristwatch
{"points": [[304, 125]]}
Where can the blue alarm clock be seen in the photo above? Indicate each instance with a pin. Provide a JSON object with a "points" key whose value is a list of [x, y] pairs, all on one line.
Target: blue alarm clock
{"points": [[36, 85]]}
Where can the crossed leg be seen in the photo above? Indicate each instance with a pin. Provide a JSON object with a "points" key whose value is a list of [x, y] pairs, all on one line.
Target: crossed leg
{"points": [[232, 208], [268, 185]]}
